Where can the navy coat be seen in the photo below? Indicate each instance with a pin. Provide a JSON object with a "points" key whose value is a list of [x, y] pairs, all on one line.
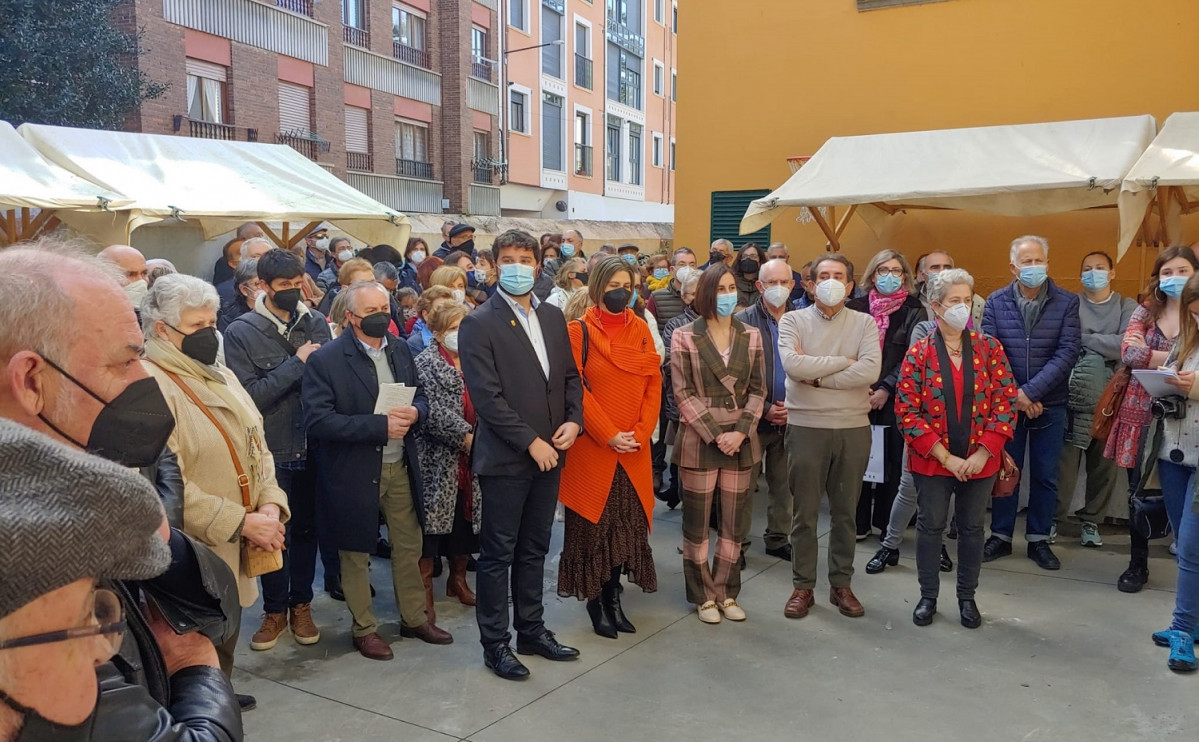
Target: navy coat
{"points": [[1043, 358]]}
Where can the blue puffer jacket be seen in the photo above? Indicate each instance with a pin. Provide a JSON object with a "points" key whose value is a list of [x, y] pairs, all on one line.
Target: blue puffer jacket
{"points": [[1041, 360]]}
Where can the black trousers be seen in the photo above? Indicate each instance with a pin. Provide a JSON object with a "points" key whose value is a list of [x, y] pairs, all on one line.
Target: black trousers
{"points": [[518, 513], [292, 585]]}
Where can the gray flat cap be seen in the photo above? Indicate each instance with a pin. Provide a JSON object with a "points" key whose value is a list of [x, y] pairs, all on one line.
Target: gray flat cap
{"points": [[66, 515]]}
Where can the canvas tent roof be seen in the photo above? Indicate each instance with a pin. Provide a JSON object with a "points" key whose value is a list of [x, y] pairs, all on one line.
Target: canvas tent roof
{"points": [[29, 181], [218, 183], [1166, 175], [1019, 170]]}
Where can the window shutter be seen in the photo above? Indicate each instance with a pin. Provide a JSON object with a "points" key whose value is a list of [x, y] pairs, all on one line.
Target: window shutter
{"points": [[294, 108], [207, 70], [727, 209], [357, 139]]}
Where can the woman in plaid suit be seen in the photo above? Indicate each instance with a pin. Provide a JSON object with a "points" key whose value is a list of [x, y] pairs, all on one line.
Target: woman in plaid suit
{"points": [[718, 375]]}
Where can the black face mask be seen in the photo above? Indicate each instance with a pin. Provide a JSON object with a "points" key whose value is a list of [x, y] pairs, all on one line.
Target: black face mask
{"points": [[375, 325], [616, 300], [582, 276], [37, 728], [748, 266], [287, 299], [132, 429], [202, 345], [717, 257], [467, 247]]}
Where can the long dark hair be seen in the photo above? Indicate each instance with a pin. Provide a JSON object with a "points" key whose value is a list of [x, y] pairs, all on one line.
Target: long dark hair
{"points": [[1155, 300]]}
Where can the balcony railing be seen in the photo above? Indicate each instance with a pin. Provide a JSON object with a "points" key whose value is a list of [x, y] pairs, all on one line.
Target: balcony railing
{"points": [[306, 143], [625, 37], [414, 169], [556, 5], [411, 55], [210, 130], [583, 72], [481, 69], [582, 159], [482, 173], [303, 7], [360, 161], [357, 37]]}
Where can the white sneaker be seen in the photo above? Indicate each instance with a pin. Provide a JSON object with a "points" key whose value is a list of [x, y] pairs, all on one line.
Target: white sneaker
{"points": [[708, 613], [1053, 534], [1090, 535], [1173, 548], [732, 611]]}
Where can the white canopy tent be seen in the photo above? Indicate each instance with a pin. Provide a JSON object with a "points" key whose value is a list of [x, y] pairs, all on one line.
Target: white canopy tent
{"points": [[220, 184], [1166, 177], [1021, 170]]}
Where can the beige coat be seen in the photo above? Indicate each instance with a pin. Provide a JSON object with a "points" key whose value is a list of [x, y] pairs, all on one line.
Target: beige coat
{"points": [[212, 504]]}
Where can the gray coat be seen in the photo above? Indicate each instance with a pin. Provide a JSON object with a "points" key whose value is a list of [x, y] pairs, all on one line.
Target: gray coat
{"points": [[441, 441]]}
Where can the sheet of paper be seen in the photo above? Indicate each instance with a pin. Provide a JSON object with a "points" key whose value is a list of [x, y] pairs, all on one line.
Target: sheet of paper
{"points": [[392, 396], [874, 468], [1154, 381]]}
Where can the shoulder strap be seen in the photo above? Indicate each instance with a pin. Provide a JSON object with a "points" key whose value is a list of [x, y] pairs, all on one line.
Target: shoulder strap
{"points": [[267, 327], [243, 482], [586, 343]]}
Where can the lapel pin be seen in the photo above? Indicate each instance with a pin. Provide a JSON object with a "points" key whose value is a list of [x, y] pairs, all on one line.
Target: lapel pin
{"points": [[512, 322]]}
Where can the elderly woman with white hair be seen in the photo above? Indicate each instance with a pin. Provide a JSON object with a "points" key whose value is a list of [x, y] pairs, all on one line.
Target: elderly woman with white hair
{"points": [[218, 435]]}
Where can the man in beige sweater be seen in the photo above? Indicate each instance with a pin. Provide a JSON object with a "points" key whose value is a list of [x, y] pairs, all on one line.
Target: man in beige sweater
{"points": [[831, 356]]}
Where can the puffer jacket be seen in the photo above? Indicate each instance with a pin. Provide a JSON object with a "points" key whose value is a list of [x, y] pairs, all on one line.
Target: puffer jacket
{"points": [[687, 317], [1043, 358], [1087, 380]]}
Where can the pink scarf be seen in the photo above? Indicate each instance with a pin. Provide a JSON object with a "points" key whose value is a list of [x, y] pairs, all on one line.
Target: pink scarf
{"points": [[882, 307]]}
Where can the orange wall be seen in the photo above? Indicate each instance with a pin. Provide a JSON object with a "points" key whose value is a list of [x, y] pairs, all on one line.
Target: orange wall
{"points": [[593, 99], [660, 44], [524, 68], [779, 77]]}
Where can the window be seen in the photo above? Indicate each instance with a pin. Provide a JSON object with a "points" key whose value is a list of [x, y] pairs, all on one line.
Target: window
{"points": [[672, 155], [482, 162], [624, 77], [479, 68], [583, 40], [659, 78], [295, 109], [518, 14], [582, 143], [674, 86], [206, 91], [635, 154], [353, 13], [613, 151], [660, 11], [583, 64], [551, 132], [357, 130], [412, 150], [409, 42], [656, 154], [518, 117], [551, 31], [674, 18], [727, 209]]}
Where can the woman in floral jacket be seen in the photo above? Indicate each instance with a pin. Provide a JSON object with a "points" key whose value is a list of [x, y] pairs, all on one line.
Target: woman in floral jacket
{"points": [[954, 449]]}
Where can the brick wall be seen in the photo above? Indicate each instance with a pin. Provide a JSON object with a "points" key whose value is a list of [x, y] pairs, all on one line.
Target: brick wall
{"points": [[253, 90], [162, 60], [329, 99], [454, 46]]}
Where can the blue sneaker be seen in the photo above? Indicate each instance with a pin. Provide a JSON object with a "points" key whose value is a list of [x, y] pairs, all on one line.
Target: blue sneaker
{"points": [[1182, 652], [1162, 638]]}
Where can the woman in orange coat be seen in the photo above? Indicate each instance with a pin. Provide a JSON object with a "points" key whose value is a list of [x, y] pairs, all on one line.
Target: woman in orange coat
{"points": [[607, 483]]}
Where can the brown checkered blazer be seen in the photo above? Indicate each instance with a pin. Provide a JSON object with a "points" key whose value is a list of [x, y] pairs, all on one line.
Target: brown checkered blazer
{"points": [[715, 399]]}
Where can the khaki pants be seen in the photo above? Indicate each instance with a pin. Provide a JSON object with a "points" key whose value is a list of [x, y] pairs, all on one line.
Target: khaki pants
{"points": [[403, 528], [1101, 482]]}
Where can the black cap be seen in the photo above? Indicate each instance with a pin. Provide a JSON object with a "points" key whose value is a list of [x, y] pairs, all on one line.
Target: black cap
{"points": [[458, 229]]}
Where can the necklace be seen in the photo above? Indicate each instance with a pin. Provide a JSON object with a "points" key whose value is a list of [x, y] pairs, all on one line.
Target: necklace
{"points": [[955, 352]]}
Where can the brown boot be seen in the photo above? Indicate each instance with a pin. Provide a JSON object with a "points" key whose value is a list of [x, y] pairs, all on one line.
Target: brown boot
{"points": [[429, 633], [846, 601], [456, 586], [267, 636], [426, 574]]}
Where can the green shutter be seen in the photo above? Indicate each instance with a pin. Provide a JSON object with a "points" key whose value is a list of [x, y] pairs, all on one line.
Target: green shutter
{"points": [[727, 209]]}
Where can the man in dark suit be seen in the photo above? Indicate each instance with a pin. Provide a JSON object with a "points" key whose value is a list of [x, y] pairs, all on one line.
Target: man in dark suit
{"points": [[518, 366], [367, 463]]}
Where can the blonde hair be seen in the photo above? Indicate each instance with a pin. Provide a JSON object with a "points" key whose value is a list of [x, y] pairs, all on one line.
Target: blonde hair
{"points": [[577, 304], [352, 266], [1188, 331], [882, 257], [446, 275], [444, 316]]}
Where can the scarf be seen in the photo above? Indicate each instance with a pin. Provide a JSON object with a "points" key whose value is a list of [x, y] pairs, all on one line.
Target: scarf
{"points": [[631, 359], [882, 307]]}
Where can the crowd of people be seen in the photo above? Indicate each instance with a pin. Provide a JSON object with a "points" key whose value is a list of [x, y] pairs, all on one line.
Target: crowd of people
{"points": [[307, 398]]}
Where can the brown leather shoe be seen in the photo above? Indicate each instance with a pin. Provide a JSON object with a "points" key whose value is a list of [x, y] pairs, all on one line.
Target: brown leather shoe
{"points": [[302, 626], [456, 586], [800, 602], [373, 647], [429, 633], [846, 602], [267, 636]]}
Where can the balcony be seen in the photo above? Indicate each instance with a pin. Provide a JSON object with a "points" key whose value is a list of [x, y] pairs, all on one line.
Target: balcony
{"points": [[625, 37], [583, 159], [414, 169], [210, 130], [360, 161], [557, 6], [485, 200], [409, 54], [265, 25], [303, 7], [364, 67], [306, 143], [357, 37], [406, 195], [583, 72], [481, 70], [481, 172]]}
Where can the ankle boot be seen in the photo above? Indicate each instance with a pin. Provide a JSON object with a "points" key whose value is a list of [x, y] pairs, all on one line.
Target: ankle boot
{"points": [[600, 620], [1137, 574], [456, 586], [611, 604], [426, 574]]}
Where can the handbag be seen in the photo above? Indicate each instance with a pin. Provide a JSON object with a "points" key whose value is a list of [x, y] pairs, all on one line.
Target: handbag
{"points": [[1146, 507], [583, 354], [1110, 403], [254, 561], [1008, 480]]}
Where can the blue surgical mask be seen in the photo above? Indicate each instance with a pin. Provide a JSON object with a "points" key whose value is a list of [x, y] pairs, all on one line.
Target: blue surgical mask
{"points": [[629, 258], [568, 250], [660, 273], [633, 299], [1094, 279], [1172, 286], [725, 304], [888, 284], [480, 275], [516, 279], [1033, 276]]}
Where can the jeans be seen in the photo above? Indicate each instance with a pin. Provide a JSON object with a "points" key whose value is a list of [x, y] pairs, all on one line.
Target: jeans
{"points": [[903, 508], [1186, 600], [971, 500], [1178, 482], [1044, 438], [292, 585]]}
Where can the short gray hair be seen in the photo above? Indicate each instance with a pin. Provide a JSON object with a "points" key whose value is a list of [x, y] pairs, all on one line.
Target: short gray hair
{"points": [[1034, 239], [173, 295], [353, 290], [245, 246], [386, 272], [247, 270], [940, 284], [722, 242], [158, 267]]}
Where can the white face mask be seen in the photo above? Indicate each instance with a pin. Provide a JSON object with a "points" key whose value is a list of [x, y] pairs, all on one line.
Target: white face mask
{"points": [[682, 275], [416, 257], [776, 296], [345, 255], [451, 341], [830, 292], [459, 295], [136, 291], [957, 316], [322, 244]]}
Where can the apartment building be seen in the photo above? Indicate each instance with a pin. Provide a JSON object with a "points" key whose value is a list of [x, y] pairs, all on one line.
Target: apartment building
{"points": [[401, 99], [588, 130]]}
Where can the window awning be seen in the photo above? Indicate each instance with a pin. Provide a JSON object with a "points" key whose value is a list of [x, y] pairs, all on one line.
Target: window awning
{"points": [[1165, 179]]}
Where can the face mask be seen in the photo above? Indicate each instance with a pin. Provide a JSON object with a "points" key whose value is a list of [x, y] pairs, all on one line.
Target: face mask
{"points": [[467, 247], [929, 275], [345, 255], [548, 263], [888, 284], [1095, 279], [480, 275], [459, 295], [1172, 286], [416, 257], [776, 296], [202, 345], [287, 299], [1033, 276], [450, 342], [568, 250], [957, 316], [725, 304], [375, 325], [582, 276], [322, 244], [616, 300], [629, 258], [34, 727], [516, 279], [830, 292], [132, 429], [661, 273], [748, 266], [682, 275], [717, 257], [136, 291]]}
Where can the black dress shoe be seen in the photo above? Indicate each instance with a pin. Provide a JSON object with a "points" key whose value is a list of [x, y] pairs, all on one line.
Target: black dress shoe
{"points": [[946, 562], [383, 549], [601, 621], [500, 660], [782, 552], [246, 703], [333, 587], [996, 548], [546, 646], [471, 564], [971, 618], [1135, 577], [1039, 552], [881, 560], [925, 610]]}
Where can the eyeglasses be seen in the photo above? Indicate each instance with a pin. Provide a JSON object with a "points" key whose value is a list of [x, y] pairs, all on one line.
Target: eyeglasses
{"points": [[103, 618], [882, 271]]}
